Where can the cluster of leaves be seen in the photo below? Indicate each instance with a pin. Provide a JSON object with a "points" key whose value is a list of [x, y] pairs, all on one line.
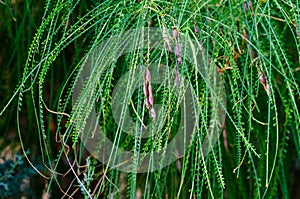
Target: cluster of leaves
{"points": [[254, 46]]}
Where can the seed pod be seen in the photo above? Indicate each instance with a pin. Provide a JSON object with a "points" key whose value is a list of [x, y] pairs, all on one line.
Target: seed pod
{"points": [[201, 45], [177, 51], [153, 113], [178, 165], [268, 90], [225, 141], [250, 4], [148, 75], [175, 32], [262, 80], [167, 46], [252, 53], [245, 7], [147, 103], [297, 31], [179, 61], [151, 100], [245, 34], [145, 87], [196, 29], [151, 22], [265, 84]]}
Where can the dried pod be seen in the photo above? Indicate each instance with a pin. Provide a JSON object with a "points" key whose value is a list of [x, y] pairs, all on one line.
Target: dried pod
{"points": [[177, 50], [201, 45], [245, 34], [268, 90], [153, 113], [265, 84], [250, 4], [151, 22], [145, 87], [147, 103], [151, 100], [262, 80], [179, 60], [167, 41], [148, 75], [178, 165], [196, 29], [175, 32], [167, 46], [245, 7], [252, 53], [225, 141]]}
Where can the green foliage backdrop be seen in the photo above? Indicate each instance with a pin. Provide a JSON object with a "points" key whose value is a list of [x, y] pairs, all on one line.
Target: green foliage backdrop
{"points": [[254, 46]]}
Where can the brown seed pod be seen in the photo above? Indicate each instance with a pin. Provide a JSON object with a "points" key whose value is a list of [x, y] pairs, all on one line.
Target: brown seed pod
{"points": [[245, 7], [167, 46], [175, 32], [250, 4], [147, 103], [178, 165], [153, 113], [151, 100], [148, 75], [179, 60], [145, 87], [196, 29], [262, 79], [177, 50]]}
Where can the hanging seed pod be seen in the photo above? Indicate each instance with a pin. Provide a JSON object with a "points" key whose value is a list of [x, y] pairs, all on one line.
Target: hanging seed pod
{"points": [[178, 165], [251, 6], [151, 100], [212, 36], [177, 50], [252, 53], [145, 87], [265, 84], [245, 7], [268, 90], [153, 113], [225, 141], [297, 31], [147, 103], [245, 34], [262, 80], [167, 46], [201, 45], [196, 29], [175, 32], [148, 75], [151, 22], [179, 60]]}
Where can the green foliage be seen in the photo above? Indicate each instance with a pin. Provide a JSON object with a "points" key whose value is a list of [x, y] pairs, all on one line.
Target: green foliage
{"points": [[254, 46]]}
